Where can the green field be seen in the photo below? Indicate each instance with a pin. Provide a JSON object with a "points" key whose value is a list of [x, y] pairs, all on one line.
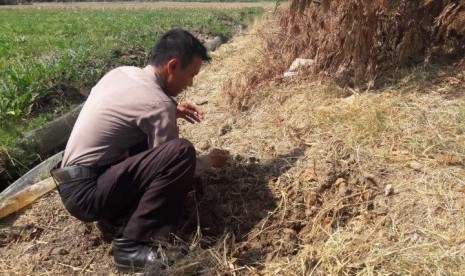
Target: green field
{"points": [[40, 51], [44, 53]]}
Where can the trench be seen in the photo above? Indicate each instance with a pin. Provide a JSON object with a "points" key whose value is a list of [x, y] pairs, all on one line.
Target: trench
{"points": [[43, 142]]}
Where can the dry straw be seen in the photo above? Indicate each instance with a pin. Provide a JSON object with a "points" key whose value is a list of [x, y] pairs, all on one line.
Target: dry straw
{"points": [[354, 182], [357, 42]]}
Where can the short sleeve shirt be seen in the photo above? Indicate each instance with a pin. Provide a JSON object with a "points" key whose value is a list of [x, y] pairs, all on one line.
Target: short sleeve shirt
{"points": [[126, 107]]}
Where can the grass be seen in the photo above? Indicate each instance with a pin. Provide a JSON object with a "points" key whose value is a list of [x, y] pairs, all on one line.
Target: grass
{"points": [[48, 57], [43, 50]]}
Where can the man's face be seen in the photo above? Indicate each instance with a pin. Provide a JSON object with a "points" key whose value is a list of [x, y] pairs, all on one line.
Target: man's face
{"points": [[180, 78]]}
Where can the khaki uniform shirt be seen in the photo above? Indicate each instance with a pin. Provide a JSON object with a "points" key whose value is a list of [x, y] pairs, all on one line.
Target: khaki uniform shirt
{"points": [[127, 106]]}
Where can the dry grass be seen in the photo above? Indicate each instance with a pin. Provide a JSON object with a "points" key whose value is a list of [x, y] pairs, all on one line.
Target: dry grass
{"points": [[333, 153], [304, 193], [357, 43]]}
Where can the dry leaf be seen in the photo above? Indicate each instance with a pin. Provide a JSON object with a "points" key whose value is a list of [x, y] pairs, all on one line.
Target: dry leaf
{"points": [[462, 189], [326, 221], [309, 175], [449, 160]]}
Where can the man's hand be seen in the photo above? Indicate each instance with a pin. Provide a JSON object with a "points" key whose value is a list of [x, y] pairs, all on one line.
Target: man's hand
{"points": [[219, 157], [189, 112]]}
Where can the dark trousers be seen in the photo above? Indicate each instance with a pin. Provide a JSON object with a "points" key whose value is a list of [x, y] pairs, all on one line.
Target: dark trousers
{"points": [[148, 188]]}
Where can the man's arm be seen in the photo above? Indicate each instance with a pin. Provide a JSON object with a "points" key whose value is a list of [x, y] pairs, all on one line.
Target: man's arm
{"points": [[217, 158], [159, 123]]}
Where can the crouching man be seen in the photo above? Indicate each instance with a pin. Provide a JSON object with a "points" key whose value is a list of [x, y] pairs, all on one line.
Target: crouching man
{"points": [[124, 158]]}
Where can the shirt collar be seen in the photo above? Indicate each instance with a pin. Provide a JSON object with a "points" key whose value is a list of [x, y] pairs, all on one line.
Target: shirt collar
{"points": [[150, 69]]}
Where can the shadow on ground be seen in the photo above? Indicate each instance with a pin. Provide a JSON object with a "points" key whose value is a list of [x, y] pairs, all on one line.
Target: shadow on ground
{"points": [[228, 205]]}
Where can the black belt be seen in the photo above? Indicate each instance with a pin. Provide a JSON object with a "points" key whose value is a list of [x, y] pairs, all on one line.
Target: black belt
{"points": [[71, 173]]}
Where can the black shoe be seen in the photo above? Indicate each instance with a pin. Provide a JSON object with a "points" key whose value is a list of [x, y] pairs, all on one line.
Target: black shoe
{"points": [[131, 255]]}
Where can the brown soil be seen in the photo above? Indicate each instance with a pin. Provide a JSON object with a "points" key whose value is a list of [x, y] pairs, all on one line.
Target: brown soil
{"points": [[46, 240]]}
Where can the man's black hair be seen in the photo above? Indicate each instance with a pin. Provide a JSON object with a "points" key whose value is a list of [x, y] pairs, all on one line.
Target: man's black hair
{"points": [[178, 43]]}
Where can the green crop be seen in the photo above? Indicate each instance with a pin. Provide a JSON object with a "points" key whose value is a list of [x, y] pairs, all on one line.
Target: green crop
{"points": [[43, 51]]}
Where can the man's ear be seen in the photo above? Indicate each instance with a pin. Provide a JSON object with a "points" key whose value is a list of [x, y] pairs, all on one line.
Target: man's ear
{"points": [[172, 64]]}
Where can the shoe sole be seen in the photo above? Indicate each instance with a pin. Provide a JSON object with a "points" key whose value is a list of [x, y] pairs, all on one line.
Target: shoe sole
{"points": [[128, 268]]}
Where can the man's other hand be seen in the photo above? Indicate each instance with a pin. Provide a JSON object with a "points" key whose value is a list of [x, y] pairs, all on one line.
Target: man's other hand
{"points": [[219, 157], [189, 112]]}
